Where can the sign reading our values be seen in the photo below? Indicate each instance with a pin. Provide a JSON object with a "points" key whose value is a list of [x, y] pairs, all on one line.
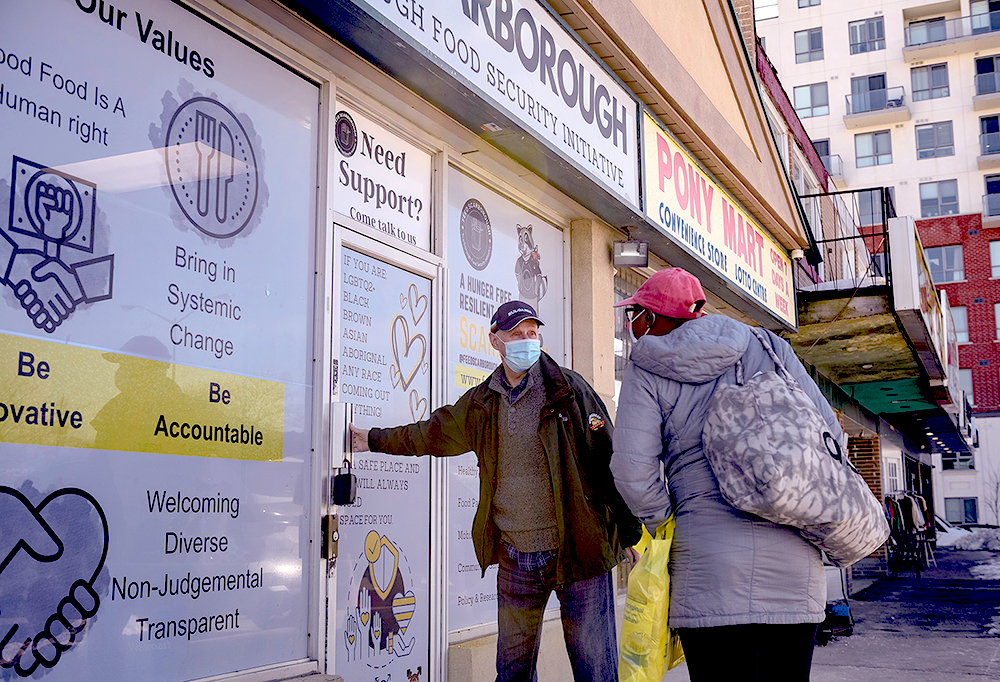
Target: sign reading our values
{"points": [[518, 57], [695, 212], [157, 226], [383, 602], [383, 181], [500, 252]]}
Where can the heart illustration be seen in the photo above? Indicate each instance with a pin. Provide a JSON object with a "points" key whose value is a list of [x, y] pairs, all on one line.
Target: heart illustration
{"points": [[394, 376], [407, 351], [418, 406], [417, 302], [426, 366], [402, 301], [402, 608], [51, 589]]}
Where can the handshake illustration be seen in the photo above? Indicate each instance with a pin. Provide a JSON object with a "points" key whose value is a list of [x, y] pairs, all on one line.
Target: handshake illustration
{"points": [[51, 213], [51, 561]]}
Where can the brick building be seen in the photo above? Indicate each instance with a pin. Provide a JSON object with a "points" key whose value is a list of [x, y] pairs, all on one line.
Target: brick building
{"points": [[965, 262]]}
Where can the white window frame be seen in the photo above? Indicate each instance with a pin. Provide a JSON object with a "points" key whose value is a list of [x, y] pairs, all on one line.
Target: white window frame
{"points": [[960, 316]]}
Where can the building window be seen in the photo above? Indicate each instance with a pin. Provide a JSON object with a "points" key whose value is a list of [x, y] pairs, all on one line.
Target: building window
{"points": [[926, 31], [872, 149], [892, 481], [989, 135], [934, 140], [987, 82], [995, 259], [868, 93], [938, 198], [626, 284], [960, 316], [808, 45], [871, 211], [808, 3], [866, 35], [811, 100], [985, 16], [991, 202], [965, 383], [929, 82], [960, 510], [765, 9], [946, 263]]}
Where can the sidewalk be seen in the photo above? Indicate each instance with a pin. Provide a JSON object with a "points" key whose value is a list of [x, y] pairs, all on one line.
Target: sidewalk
{"points": [[942, 627]]}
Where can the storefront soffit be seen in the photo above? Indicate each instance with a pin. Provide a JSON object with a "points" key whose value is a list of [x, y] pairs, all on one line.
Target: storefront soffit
{"points": [[855, 340], [859, 344], [688, 65]]}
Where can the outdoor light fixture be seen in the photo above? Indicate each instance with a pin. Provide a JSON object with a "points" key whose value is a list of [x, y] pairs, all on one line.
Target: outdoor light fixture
{"points": [[631, 254]]}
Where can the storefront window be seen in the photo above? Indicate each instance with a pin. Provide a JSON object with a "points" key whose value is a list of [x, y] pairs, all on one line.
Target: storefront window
{"points": [[160, 200], [626, 284]]}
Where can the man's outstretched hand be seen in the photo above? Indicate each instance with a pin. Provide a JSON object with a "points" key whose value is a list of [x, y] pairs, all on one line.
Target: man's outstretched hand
{"points": [[359, 439]]}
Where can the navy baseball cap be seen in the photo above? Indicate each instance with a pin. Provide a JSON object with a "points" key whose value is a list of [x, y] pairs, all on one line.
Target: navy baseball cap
{"points": [[511, 314]]}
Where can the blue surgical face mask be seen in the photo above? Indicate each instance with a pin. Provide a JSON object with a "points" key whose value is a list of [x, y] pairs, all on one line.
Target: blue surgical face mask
{"points": [[521, 355]]}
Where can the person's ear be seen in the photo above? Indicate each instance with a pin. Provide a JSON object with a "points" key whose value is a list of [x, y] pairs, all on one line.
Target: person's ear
{"points": [[495, 342]]}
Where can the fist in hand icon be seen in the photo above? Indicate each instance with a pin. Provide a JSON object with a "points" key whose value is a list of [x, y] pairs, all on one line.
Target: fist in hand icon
{"points": [[51, 561]]}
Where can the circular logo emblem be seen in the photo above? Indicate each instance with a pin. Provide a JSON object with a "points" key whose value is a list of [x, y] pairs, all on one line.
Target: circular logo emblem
{"points": [[212, 167], [477, 235], [345, 133]]}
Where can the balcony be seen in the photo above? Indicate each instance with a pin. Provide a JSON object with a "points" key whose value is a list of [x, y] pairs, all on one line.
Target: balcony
{"points": [[944, 38], [991, 210], [835, 167], [989, 151], [987, 91], [875, 326], [876, 107]]}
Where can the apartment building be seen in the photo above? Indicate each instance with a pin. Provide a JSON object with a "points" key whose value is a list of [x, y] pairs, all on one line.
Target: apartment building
{"points": [[904, 94]]}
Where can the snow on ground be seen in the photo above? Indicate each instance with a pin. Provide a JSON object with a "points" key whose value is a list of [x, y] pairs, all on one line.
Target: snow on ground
{"points": [[989, 570], [981, 538]]}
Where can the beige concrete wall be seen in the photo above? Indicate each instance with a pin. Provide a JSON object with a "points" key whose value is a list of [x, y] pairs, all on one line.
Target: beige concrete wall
{"points": [[592, 297], [696, 49]]}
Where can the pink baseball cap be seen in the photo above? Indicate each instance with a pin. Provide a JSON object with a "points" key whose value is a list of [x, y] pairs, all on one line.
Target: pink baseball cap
{"points": [[671, 292]]}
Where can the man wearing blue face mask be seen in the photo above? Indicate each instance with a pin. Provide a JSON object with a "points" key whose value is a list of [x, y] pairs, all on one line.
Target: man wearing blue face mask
{"points": [[549, 512]]}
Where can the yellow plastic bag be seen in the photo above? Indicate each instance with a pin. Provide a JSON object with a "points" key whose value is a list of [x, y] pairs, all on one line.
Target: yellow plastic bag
{"points": [[648, 646]]}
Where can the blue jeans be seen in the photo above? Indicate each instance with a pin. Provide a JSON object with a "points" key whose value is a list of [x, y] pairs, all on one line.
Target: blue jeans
{"points": [[524, 583]]}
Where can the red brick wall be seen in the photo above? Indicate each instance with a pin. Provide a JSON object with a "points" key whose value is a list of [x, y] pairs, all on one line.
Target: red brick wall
{"points": [[744, 13], [982, 353], [865, 454]]}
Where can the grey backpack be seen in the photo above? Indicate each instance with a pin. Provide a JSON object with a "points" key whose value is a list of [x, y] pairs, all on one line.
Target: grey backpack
{"points": [[774, 456]]}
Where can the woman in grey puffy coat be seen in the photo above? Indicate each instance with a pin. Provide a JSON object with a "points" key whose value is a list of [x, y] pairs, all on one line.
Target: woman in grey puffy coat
{"points": [[745, 593]]}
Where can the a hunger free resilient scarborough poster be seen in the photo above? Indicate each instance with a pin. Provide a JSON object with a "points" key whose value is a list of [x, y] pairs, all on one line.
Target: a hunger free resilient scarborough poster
{"points": [[499, 252], [157, 219], [383, 603]]}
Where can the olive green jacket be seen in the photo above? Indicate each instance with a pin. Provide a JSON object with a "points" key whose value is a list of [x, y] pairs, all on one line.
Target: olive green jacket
{"points": [[575, 431]]}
